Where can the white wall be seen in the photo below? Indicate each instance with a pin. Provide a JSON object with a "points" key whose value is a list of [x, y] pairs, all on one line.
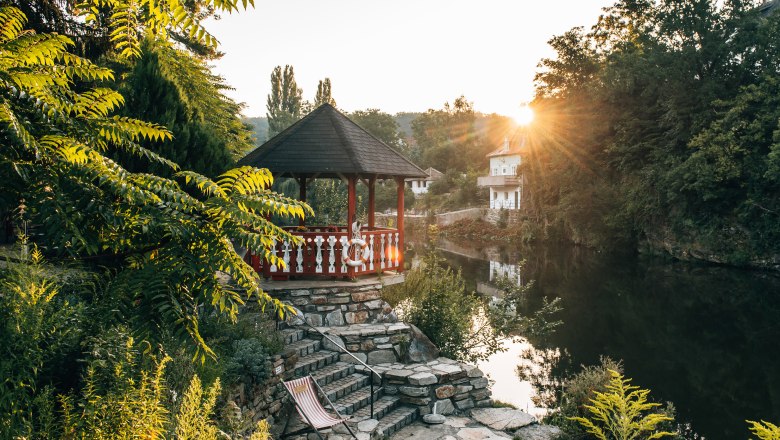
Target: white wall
{"points": [[504, 165]]}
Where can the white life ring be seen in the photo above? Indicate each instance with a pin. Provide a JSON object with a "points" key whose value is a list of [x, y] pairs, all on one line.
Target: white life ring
{"points": [[364, 256]]}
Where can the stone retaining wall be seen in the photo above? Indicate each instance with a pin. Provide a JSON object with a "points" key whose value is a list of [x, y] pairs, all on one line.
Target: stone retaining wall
{"points": [[371, 343], [345, 303], [513, 216], [442, 386]]}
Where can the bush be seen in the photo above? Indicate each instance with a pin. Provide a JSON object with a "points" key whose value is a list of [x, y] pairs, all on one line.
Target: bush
{"points": [[622, 412], [765, 430], [248, 363]]}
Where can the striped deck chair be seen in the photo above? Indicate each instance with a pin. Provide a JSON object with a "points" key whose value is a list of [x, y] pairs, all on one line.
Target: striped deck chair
{"points": [[308, 405]]}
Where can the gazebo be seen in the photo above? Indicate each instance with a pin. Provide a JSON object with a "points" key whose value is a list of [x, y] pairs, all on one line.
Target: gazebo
{"points": [[327, 144]]}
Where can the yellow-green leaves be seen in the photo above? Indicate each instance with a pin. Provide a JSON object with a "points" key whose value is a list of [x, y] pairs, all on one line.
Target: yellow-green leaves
{"points": [[764, 430], [131, 19], [622, 412]]}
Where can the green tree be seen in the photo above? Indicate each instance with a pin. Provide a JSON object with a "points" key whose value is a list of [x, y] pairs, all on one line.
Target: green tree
{"points": [[167, 239], [284, 103], [382, 125], [324, 94]]}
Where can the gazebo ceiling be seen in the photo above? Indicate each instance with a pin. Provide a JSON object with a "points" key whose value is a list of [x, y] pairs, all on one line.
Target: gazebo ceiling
{"points": [[325, 143]]}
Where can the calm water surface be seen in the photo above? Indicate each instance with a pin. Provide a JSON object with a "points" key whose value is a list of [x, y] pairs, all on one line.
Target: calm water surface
{"points": [[705, 338]]}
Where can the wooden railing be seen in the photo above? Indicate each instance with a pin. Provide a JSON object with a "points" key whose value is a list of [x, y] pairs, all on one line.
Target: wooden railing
{"points": [[320, 254]]}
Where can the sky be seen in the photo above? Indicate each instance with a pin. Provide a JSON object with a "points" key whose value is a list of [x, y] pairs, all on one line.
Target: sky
{"points": [[400, 55]]}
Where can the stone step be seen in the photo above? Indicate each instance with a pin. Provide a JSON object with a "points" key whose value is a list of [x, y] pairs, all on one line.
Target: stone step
{"points": [[315, 361], [332, 372], [396, 419], [290, 335], [382, 407], [344, 386], [303, 347], [356, 400]]}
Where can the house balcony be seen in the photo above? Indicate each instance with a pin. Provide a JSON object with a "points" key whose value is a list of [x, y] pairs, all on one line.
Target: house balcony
{"points": [[496, 181], [320, 254]]}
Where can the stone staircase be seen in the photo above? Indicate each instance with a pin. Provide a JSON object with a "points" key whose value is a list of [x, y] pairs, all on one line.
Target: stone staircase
{"points": [[348, 388]]}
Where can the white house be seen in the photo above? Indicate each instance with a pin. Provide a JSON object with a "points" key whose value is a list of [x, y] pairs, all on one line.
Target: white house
{"points": [[420, 186], [504, 182]]}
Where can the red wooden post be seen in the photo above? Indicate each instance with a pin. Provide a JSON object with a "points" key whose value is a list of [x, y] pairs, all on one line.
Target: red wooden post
{"points": [[351, 204], [302, 197], [400, 226], [371, 199]]}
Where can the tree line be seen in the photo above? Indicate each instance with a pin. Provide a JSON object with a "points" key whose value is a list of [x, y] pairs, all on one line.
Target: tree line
{"points": [[658, 126]]}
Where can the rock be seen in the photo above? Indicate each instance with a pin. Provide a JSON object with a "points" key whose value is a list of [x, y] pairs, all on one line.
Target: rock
{"points": [[334, 318], [504, 419], [472, 371], [367, 425], [389, 317], [444, 407], [295, 317], [464, 404], [422, 379], [381, 357], [538, 432], [479, 434], [421, 349], [481, 382], [356, 317], [434, 419], [299, 293], [445, 391], [333, 345], [398, 374], [414, 391], [365, 296], [347, 358], [314, 320]]}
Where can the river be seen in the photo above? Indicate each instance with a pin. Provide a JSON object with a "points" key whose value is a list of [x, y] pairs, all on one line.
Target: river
{"points": [[703, 337]]}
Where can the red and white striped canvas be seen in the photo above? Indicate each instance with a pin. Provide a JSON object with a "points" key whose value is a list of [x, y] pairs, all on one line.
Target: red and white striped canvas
{"points": [[307, 402]]}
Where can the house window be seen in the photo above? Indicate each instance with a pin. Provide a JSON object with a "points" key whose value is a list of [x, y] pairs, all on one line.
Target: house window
{"points": [[503, 171], [512, 170], [495, 171]]}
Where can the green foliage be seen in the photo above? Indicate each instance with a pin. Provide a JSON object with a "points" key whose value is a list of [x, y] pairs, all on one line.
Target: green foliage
{"points": [[764, 430], [324, 94], [248, 362], [659, 124], [169, 238], [382, 125], [38, 327], [462, 324], [193, 420], [284, 103], [122, 396], [622, 412]]}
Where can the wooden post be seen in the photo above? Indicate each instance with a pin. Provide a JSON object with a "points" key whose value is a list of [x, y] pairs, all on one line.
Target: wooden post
{"points": [[400, 226], [371, 200], [351, 205], [302, 197]]}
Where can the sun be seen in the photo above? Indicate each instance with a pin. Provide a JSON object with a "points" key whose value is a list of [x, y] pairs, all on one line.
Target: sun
{"points": [[524, 115]]}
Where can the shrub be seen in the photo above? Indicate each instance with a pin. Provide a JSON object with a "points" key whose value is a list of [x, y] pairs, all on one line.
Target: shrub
{"points": [[765, 430], [622, 412], [193, 420], [248, 363]]}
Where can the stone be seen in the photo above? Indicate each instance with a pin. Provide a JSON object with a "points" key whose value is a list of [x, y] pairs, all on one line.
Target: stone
{"points": [[299, 293], [420, 401], [422, 379], [473, 371], [300, 301], [338, 300], [368, 345], [295, 317], [389, 317], [334, 318], [400, 375], [484, 393], [382, 340], [319, 300], [385, 346], [503, 419], [367, 425], [365, 296], [347, 358], [445, 391], [464, 404], [414, 391], [375, 304], [434, 419], [444, 407], [479, 434], [356, 317], [481, 382], [538, 432], [314, 319], [381, 357], [333, 343], [421, 349], [463, 389], [326, 308]]}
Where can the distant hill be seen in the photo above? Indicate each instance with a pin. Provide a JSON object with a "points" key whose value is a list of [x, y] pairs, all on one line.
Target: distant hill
{"points": [[259, 128]]}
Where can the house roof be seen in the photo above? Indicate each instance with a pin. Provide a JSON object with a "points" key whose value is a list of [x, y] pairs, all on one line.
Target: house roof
{"points": [[432, 174], [509, 148], [325, 143]]}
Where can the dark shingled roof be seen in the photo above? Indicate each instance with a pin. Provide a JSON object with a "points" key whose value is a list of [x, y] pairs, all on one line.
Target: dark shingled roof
{"points": [[325, 143]]}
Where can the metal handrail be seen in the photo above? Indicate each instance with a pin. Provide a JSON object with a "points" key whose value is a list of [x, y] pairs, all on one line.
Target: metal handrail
{"points": [[344, 349]]}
